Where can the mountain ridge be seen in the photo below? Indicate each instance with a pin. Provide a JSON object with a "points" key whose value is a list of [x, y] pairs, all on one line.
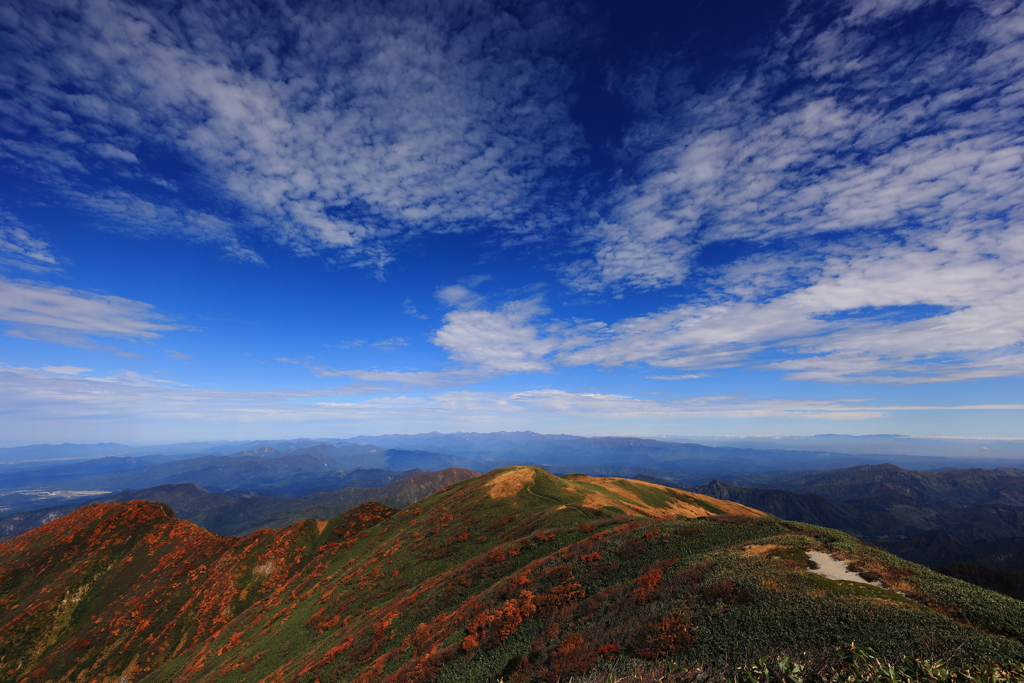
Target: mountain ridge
{"points": [[517, 574]]}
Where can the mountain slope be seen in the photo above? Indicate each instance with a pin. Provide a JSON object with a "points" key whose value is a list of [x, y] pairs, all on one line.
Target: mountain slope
{"points": [[938, 547], [117, 578], [959, 487], [516, 574], [886, 519], [799, 507]]}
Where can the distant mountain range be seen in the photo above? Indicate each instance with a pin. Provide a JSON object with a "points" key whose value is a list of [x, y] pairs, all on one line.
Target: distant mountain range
{"points": [[559, 451], [752, 454], [870, 496], [880, 444], [297, 473], [243, 512]]}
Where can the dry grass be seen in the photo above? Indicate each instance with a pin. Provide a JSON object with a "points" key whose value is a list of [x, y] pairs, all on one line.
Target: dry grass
{"points": [[512, 482], [621, 493]]}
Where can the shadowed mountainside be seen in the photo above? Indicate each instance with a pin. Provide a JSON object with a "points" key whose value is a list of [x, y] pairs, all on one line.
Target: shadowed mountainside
{"points": [[516, 574], [1005, 581], [938, 547], [882, 519], [956, 487]]}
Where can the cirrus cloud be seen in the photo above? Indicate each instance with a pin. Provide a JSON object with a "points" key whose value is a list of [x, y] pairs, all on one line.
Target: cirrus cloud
{"points": [[43, 310]]}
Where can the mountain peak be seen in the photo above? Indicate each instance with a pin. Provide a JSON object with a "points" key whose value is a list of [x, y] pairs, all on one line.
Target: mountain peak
{"points": [[264, 452]]}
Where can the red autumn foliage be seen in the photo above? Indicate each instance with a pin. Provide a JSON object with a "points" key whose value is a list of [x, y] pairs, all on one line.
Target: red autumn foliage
{"points": [[367, 625], [649, 580], [491, 628], [726, 591], [665, 637], [572, 656]]}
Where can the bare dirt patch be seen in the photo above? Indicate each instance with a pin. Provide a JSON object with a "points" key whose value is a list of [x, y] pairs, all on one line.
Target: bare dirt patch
{"points": [[321, 524], [839, 569], [511, 483]]}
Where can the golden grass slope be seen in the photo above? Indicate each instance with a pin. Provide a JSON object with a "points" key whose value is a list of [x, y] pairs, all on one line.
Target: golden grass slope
{"points": [[611, 494], [652, 500]]}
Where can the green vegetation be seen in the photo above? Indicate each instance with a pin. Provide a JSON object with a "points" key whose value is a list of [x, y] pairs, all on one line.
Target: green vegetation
{"points": [[852, 665], [512, 576], [864, 590]]}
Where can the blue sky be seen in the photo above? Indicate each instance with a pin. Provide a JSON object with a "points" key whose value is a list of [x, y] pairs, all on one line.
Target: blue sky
{"points": [[261, 220]]}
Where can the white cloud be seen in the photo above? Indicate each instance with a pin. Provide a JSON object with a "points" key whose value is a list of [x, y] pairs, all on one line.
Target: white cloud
{"points": [[391, 343], [39, 309], [65, 369], [444, 378], [882, 191], [459, 296], [882, 194], [936, 301], [339, 127], [873, 133], [109, 151], [19, 249], [67, 405], [858, 320], [927, 306], [409, 309], [692, 375], [143, 217], [350, 344], [503, 340]]}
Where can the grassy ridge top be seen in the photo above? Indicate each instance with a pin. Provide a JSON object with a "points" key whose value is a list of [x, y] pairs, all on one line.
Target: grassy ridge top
{"points": [[516, 574], [529, 487]]}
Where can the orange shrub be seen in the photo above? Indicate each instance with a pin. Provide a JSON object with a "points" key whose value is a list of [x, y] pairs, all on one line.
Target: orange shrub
{"points": [[664, 637]]}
